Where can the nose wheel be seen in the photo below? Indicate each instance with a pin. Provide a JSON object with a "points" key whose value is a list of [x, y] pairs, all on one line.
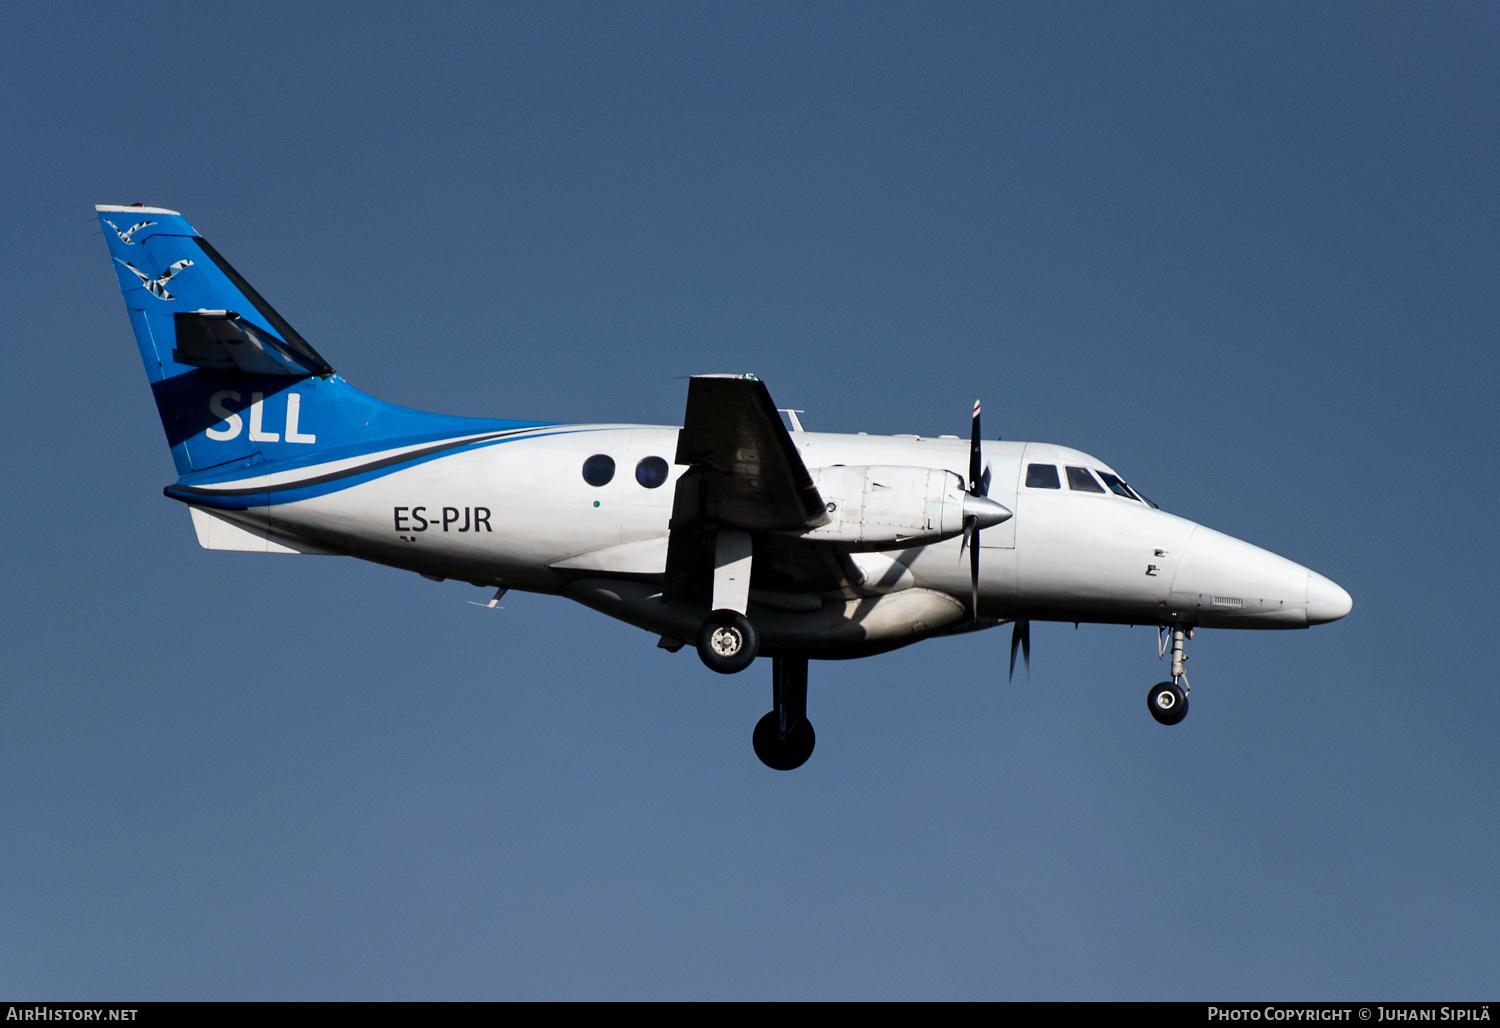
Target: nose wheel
{"points": [[784, 738], [1168, 701]]}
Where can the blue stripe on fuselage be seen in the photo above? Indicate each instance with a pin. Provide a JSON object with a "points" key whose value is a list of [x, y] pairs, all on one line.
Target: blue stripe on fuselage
{"points": [[191, 489]]}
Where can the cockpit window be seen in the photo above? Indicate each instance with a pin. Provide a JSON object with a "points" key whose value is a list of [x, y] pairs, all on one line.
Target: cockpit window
{"points": [[1042, 476], [1116, 486], [1080, 479]]}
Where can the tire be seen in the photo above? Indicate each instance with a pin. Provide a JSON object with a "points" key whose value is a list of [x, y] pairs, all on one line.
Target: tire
{"points": [[1167, 703], [728, 642], [781, 755]]}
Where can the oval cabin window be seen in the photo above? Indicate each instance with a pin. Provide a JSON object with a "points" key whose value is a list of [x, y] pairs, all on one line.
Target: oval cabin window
{"points": [[651, 472], [599, 469]]}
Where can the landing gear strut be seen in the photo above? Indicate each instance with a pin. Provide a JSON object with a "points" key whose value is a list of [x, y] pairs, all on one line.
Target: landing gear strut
{"points": [[784, 738], [1168, 701]]}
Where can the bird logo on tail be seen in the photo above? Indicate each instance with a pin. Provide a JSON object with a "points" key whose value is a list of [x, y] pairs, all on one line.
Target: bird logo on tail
{"points": [[157, 286], [125, 236]]}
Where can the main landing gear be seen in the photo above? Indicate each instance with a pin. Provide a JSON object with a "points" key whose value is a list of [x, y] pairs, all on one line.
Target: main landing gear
{"points": [[1168, 701], [728, 642], [784, 738]]}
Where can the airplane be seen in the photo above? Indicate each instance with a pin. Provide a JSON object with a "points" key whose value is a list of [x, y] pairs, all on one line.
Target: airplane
{"points": [[736, 532]]}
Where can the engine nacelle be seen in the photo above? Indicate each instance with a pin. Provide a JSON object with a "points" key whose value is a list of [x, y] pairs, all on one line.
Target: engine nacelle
{"points": [[888, 508]]}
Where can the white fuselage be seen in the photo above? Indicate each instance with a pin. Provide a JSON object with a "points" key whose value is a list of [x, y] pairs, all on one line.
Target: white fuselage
{"points": [[519, 514]]}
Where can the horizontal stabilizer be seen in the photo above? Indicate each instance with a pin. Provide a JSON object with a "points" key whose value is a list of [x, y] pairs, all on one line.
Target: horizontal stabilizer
{"points": [[216, 532], [223, 341]]}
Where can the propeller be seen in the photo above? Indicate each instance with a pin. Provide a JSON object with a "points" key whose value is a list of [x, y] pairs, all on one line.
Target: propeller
{"points": [[1020, 639], [979, 511]]}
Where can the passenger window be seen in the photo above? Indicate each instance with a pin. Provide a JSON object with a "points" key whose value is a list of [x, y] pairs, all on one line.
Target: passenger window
{"points": [[651, 472], [1116, 486], [1042, 476], [1080, 479], [599, 469]]}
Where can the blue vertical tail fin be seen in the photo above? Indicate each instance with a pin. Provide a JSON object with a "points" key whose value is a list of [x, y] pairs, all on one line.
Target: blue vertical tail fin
{"points": [[234, 383]]}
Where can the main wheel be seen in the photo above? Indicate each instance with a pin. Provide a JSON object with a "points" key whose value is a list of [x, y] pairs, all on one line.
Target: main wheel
{"points": [[783, 755], [727, 642], [1167, 703]]}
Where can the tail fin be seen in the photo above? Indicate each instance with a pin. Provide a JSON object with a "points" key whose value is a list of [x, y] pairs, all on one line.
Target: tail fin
{"points": [[233, 382]]}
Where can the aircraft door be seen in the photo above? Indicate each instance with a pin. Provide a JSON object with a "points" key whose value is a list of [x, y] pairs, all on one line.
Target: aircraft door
{"points": [[1005, 471], [649, 478], [997, 544]]}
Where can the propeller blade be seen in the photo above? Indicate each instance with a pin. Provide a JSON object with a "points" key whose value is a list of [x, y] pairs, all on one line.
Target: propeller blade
{"points": [[1020, 639], [976, 486], [974, 456], [1026, 648], [974, 573]]}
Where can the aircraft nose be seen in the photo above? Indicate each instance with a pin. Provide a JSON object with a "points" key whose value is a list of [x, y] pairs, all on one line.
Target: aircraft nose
{"points": [[1326, 601]]}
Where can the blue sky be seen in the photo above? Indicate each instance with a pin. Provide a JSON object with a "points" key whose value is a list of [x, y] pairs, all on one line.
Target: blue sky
{"points": [[1247, 254]]}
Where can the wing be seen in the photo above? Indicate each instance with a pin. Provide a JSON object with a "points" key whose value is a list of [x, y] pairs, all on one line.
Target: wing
{"points": [[745, 472], [753, 476]]}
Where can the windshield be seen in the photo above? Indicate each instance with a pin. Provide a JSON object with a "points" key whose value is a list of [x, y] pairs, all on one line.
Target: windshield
{"points": [[1119, 488], [1081, 480], [1116, 486]]}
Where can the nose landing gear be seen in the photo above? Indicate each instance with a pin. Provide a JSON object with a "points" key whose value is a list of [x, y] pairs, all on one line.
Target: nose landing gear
{"points": [[1168, 701]]}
